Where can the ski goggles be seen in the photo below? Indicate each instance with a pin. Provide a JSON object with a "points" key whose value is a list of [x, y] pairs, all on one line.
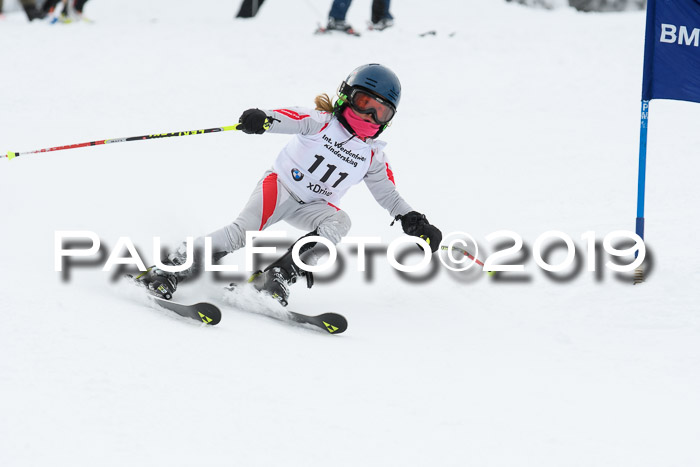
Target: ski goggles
{"points": [[366, 103]]}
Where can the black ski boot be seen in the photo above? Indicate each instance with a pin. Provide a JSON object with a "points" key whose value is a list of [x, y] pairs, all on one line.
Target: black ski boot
{"points": [[277, 279], [160, 283], [278, 276], [163, 283]]}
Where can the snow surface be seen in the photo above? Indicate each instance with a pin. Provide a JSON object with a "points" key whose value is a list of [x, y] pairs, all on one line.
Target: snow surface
{"points": [[526, 120]]}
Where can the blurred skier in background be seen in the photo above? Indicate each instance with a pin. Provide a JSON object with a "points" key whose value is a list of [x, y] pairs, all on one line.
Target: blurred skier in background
{"points": [[64, 11], [30, 9], [249, 8], [381, 18], [334, 147]]}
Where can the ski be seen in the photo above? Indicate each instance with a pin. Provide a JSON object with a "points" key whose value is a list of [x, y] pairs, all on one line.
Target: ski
{"points": [[333, 323], [349, 32], [382, 25], [208, 313], [203, 312], [435, 33]]}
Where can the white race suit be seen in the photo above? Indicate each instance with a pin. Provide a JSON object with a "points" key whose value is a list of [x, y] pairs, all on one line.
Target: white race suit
{"points": [[309, 177]]}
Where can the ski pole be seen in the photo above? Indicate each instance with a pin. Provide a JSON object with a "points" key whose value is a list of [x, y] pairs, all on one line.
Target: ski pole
{"points": [[468, 255], [464, 252], [12, 155]]}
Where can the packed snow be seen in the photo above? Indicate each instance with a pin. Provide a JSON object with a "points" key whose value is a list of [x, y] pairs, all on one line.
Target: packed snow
{"points": [[511, 119]]}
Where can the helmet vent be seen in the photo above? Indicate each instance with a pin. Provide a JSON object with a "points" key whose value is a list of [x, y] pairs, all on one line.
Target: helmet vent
{"points": [[371, 82]]}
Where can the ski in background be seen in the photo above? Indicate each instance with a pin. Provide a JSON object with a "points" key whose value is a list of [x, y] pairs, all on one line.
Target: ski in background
{"points": [[324, 30], [380, 26]]}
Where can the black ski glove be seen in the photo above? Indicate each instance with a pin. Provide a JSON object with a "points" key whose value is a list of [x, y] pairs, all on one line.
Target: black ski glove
{"points": [[416, 224], [254, 121]]}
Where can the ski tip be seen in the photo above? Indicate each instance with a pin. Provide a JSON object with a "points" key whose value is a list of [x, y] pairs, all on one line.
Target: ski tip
{"points": [[11, 155], [203, 312], [208, 313], [334, 323]]}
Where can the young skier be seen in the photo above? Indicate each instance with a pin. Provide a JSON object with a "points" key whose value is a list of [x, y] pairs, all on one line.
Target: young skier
{"points": [[334, 147]]}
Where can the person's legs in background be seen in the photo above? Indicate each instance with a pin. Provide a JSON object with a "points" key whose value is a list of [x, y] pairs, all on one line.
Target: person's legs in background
{"points": [[336, 17], [381, 18]]}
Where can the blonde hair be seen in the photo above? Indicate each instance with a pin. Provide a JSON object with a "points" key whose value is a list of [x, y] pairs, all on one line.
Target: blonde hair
{"points": [[323, 103]]}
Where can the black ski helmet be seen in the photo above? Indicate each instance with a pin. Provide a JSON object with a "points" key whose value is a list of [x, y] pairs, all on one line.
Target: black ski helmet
{"points": [[375, 79]]}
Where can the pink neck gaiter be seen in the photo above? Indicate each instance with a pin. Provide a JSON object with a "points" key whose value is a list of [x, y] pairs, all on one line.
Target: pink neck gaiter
{"points": [[362, 128]]}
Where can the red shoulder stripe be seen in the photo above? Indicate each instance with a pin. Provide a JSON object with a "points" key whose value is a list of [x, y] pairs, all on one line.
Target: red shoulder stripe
{"points": [[291, 114]]}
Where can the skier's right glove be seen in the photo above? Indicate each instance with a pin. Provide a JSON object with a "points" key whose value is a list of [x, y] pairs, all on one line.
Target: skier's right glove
{"points": [[416, 224], [254, 121]]}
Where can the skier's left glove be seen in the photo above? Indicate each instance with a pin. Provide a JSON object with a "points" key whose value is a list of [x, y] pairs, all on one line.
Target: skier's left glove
{"points": [[416, 224], [254, 121]]}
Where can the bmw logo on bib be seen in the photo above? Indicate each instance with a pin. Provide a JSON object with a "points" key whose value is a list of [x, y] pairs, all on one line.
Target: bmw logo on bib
{"points": [[297, 175]]}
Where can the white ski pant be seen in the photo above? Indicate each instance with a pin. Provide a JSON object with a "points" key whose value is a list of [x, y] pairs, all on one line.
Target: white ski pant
{"points": [[270, 203]]}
